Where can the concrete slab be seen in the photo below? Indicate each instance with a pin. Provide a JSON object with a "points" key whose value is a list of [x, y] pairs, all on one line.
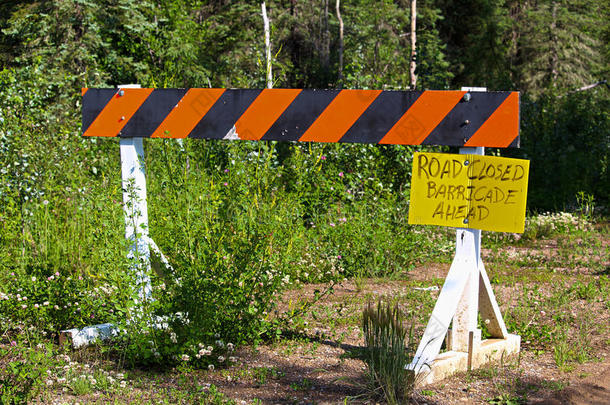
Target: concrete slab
{"points": [[485, 352]]}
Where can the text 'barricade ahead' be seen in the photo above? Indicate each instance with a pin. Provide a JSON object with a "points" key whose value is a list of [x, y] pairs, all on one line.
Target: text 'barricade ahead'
{"points": [[469, 191], [455, 118]]}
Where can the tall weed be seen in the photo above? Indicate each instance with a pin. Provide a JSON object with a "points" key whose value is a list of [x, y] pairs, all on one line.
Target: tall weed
{"points": [[388, 350]]}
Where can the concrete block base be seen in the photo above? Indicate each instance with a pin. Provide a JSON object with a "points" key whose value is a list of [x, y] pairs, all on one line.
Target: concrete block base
{"points": [[451, 362]]}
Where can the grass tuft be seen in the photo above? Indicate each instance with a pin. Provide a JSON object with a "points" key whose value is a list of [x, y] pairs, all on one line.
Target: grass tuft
{"points": [[388, 351]]}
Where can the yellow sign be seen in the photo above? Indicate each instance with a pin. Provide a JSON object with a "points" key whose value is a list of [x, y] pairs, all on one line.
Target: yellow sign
{"points": [[469, 191]]}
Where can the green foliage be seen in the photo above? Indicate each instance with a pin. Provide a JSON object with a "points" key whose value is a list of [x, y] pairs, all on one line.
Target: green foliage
{"points": [[387, 345], [532, 46], [24, 372], [585, 205], [558, 45], [46, 259], [477, 34], [567, 140]]}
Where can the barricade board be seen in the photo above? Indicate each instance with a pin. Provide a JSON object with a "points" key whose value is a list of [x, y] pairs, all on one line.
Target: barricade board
{"points": [[469, 191], [454, 118]]}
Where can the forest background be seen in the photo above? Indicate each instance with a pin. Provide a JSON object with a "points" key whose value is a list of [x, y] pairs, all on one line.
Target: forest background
{"points": [[241, 221]]}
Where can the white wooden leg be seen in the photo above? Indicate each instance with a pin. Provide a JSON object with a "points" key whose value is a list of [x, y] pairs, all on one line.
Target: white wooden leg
{"points": [[136, 211], [490, 311], [443, 312], [466, 315]]}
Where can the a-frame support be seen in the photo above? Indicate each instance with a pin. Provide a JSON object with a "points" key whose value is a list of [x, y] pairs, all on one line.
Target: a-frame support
{"points": [[135, 209], [466, 292]]}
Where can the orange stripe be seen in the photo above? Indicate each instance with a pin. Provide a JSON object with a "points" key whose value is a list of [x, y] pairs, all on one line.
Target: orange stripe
{"points": [[263, 112], [187, 113], [83, 91], [501, 128], [117, 112], [340, 115], [422, 117]]}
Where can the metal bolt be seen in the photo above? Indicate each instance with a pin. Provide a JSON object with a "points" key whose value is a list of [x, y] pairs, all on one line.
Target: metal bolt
{"points": [[466, 162], [121, 93], [466, 97], [122, 118], [465, 220], [466, 122], [465, 140]]}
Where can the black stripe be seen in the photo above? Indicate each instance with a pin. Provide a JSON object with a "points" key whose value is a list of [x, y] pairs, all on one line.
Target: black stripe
{"points": [[380, 117], [94, 102], [152, 112], [299, 115], [465, 119], [224, 114]]}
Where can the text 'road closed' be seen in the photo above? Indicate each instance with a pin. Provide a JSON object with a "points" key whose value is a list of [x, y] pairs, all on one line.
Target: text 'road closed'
{"points": [[469, 191]]}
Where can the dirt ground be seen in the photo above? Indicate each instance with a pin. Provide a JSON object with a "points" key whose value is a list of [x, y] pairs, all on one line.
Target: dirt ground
{"points": [[317, 370]]}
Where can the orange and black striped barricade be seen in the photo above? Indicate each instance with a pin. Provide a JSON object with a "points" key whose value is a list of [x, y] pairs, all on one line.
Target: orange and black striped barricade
{"points": [[454, 118]]}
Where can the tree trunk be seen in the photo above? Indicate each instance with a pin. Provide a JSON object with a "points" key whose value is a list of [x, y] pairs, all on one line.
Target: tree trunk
{"points": [[267, 46], [413, 63], [340, 44], [325, 54], [554, 55]]}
